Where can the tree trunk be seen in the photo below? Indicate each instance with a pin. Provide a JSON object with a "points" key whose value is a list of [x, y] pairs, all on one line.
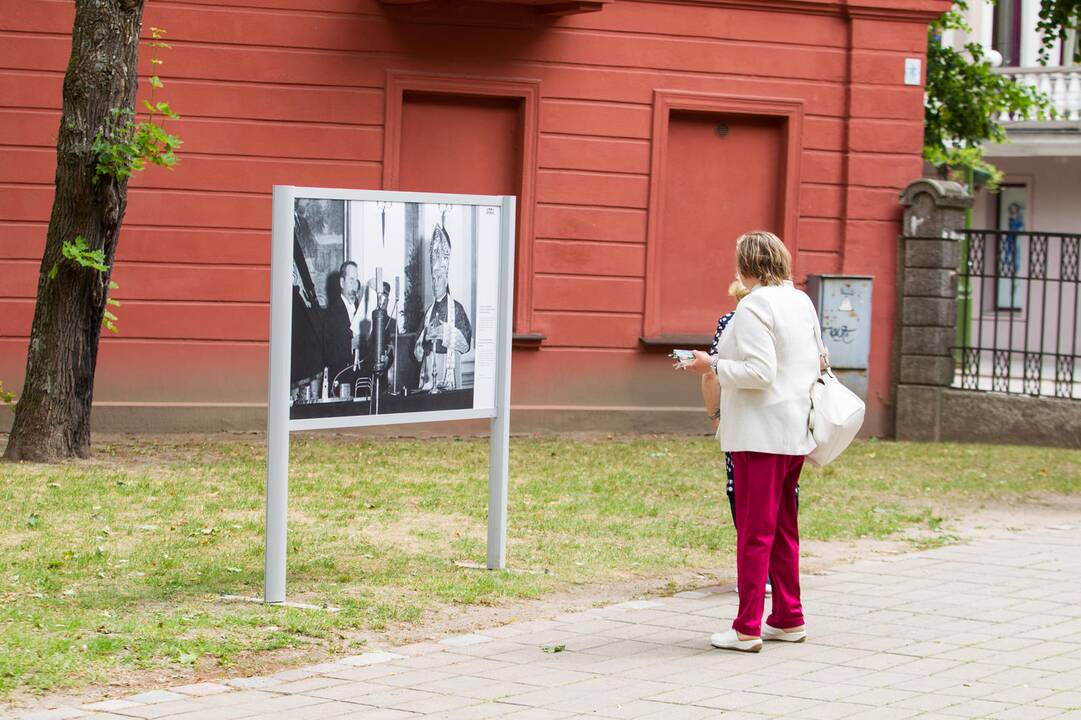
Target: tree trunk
{"points": [[52, 417]]}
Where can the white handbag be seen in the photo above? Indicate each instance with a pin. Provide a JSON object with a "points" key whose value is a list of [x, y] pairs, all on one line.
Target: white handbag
{"points": [[836, 413]]}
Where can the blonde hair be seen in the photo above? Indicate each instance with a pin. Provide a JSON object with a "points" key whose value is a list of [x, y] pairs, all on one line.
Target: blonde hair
{"points": [[738, 290], [761, 254]]}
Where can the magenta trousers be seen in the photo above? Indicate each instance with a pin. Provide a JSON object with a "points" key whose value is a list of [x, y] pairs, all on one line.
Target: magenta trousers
{"points": [[767, 539]]}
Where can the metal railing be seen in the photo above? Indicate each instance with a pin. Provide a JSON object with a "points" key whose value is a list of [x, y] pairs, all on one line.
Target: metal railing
{"points": [[1019, 298], [1061, 85]]}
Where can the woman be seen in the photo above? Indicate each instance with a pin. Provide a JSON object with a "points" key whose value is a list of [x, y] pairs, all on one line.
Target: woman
{"points": [[711, 396], [765, 365]]}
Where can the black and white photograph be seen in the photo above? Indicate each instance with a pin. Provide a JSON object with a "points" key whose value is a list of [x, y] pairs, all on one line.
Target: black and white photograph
{"points": [[393, 307]]}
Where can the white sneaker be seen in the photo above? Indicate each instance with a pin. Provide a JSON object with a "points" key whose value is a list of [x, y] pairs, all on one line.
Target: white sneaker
{"points": [[729, 640], [771, 633]]}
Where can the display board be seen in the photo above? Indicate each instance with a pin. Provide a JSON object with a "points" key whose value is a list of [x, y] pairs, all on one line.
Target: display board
{"points": [[387, 307], [394, 306]]}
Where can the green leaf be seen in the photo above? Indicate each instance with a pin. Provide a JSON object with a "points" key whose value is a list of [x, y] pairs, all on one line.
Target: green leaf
{"points": [[108, 319], [53, 270], [78, 251], [164, 109], [33, 521], [554, 648], [1057, 19], [124, 147]]}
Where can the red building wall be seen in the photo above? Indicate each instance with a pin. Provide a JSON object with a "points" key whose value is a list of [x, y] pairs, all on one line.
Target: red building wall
{"points": [[288, 92]]}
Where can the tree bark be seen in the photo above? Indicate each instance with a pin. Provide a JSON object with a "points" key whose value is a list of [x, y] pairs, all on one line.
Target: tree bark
{"points": [[52, 417]]}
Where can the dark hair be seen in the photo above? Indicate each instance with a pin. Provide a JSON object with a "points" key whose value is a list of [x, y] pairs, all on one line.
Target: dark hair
{"points": [[347, 263]]}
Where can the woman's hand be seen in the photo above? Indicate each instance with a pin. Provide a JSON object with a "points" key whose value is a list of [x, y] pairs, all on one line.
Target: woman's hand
{"points": [[701, 364]]}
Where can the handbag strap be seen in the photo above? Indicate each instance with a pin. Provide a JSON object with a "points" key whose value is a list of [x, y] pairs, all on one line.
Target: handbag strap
{"points": [[823, 353], [823, 373]]}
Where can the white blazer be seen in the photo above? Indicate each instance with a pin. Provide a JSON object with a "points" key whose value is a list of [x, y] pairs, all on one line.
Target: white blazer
{"points": [[767, 362]]}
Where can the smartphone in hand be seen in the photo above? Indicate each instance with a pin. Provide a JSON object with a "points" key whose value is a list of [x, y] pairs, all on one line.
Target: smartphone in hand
{"points": [[683, 358]]}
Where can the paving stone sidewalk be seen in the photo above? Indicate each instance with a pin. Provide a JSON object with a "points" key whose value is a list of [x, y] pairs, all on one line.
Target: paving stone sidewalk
{"points": [[989, 630]]}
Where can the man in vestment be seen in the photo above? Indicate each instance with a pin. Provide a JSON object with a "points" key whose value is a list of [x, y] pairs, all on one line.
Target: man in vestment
{"points": [[447, 334]]}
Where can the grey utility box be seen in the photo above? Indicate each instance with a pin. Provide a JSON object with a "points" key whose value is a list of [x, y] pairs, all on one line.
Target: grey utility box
{"points": [[844, 310]]}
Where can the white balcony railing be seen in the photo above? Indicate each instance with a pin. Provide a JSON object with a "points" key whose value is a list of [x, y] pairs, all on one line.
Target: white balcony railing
{"points": [[1061, 84]]}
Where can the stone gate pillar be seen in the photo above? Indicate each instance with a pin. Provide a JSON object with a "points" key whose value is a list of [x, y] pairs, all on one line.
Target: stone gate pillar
{"points": [[930, 255]]}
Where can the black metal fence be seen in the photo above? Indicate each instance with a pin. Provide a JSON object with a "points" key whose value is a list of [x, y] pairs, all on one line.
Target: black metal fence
{"points": [[1018, 305]]}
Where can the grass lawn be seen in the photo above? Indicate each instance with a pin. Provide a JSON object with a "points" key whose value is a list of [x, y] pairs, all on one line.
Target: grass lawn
{"points": [[119, 563]]}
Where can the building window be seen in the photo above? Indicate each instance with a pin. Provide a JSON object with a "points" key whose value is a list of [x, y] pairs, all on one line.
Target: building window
{"points": [[494, 124], [1011, 250], [721, 165]]}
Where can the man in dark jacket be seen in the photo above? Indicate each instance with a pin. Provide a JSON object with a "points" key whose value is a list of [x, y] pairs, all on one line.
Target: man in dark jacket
{"points": [[346, 327]]}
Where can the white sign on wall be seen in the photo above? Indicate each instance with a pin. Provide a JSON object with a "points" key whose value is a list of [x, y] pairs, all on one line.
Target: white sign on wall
{"points": [[913, 71]]}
